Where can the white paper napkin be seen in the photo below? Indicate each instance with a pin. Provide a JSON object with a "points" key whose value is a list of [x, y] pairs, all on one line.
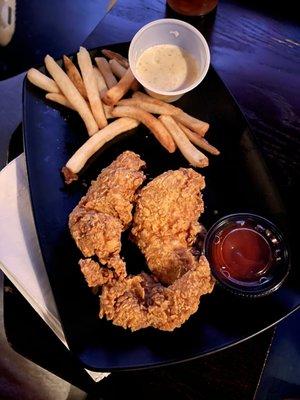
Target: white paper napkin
{"points": [[20, 256]]}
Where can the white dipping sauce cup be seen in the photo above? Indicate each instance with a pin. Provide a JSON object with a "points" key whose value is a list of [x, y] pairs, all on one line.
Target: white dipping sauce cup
{"points": [[175, 32]]}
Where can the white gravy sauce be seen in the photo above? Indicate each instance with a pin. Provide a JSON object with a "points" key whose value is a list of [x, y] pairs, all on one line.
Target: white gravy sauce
{"points": [[167, 67]]}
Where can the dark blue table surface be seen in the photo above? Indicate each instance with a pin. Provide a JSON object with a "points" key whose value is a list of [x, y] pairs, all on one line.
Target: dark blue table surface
{"points": [[48, 27]]}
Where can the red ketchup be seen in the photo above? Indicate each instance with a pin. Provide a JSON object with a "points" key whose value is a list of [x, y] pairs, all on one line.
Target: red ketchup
{"points": [[241, 253], [248, 254]]}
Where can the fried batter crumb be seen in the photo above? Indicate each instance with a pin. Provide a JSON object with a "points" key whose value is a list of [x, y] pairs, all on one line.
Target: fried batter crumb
{"points": [[140, 301], [97, 222], [165, 223]]}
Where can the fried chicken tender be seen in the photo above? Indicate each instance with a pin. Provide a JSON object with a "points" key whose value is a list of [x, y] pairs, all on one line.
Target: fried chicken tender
{"points": [[114, 191], [97, 222], [94, 274], [165, 223], [140, 301], [165, 228], [96, 233]]}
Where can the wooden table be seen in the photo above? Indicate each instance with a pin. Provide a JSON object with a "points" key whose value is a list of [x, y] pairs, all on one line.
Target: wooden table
{"points": [[256, 50]]}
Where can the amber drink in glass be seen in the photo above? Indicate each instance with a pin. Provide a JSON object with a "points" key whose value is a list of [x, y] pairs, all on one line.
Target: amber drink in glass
{"points": [[192, 7]]}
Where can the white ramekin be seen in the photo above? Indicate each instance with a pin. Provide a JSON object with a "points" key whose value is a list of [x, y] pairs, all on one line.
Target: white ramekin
{"points": [[170, 31]]}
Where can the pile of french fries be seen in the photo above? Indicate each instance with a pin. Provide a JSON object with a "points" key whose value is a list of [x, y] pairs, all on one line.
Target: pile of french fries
{"points": [[97, 93]]}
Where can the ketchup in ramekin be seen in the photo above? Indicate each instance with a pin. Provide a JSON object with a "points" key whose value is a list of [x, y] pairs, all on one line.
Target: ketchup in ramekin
{"points": [[248, 254]]}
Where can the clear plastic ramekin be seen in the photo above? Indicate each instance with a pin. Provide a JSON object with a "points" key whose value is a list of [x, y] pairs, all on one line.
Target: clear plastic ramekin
{"points": [[279, 266], [175, 32]]}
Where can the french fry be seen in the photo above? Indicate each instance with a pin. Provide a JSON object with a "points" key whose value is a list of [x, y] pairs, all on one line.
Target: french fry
{"points": [[42, 81], [60, 99], [168, 109], [105, 70], [198, 140], [113, 95], [152, 108], [94, 143], [152, 123], [69, 176], [119, 71], [75, 76], [90, 82], [188, 150], [108, 111], [100, 82], [72, 94], [194, 124], [116, 56]]}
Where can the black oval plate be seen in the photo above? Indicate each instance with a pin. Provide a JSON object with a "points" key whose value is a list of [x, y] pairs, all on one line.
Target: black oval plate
{"points": [[237, 181]]}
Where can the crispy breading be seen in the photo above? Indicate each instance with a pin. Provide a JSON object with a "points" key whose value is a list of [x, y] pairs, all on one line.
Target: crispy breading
{"points": [[114, 191], [165, 223], [97, 222], [165, 228], [94, 274], [140, 301], [96, 233]]}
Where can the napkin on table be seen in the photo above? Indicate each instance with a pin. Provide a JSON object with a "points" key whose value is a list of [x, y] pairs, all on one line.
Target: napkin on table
{"points": [[20, 256]]}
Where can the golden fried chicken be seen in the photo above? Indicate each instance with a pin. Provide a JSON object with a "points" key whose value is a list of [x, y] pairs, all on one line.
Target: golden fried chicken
{"points": [[94, 274], [114, 191], [96, 233], [140, 301], [165, 223], [105, 211], [165, 228]]}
